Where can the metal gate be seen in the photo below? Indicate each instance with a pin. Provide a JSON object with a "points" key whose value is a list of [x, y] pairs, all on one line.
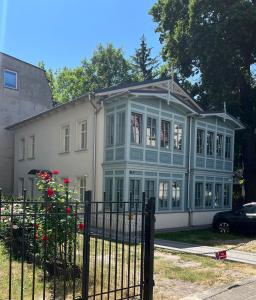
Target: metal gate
{"points": [[97, 250]]}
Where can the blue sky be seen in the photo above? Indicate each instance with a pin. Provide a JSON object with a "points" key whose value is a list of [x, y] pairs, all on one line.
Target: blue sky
{"points": [[63, 32]]}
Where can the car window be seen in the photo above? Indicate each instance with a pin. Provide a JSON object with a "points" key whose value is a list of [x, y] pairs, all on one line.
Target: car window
{"points": [[249, 209]]}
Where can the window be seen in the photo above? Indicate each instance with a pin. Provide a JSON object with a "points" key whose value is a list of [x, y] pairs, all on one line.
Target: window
{"points": [[10, 79], [200, 141], [22, 149], [120, 192], [219, 145], [110, 125], [82, 188], [199, 194], [83, 135], [65, 133], [134, 191], [178, 136], [163, 194], [108, 192], [227, 194], [136, 128], [31, 188], [228, 147], [176, 194], [149, 189], [165, 134], [208, 195], [31, 151], [210, 143], [21, 186], [120, 128], [151, 132], [218, 195]]}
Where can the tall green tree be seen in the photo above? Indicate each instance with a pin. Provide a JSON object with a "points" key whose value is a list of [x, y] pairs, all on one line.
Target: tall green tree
{"points": [[214, 42], [144, 65]]}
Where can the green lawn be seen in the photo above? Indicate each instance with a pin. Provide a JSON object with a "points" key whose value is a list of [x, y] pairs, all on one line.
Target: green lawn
{"points": [[209, 238]]}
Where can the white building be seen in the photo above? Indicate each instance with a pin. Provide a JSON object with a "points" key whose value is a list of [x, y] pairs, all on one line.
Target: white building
{"points": [[124, 140]]}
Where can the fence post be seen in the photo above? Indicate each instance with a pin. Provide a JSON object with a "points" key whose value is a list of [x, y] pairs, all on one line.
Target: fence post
{"points": [[149, 249], [86, 245]]}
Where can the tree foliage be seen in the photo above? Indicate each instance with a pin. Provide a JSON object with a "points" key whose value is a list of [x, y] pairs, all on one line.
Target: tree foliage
{"points": [[144, 65], [213, 42]]}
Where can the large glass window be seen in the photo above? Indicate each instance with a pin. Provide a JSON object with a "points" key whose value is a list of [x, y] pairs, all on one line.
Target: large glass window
{"points": [[163, 194], [31, 146], [120, 128], [65, 134], [134, 191], [120, 191], [165, 134], [210, 143], [10, 79], [151, 132], [108, 192], [218, 195], [199, 188], [22, 149], [227, 194], [200, 141], [110, 126], [219, 145], [228, 147], [149, 188], [136, 128], [176, 194], [208, 195], [178, 137]]}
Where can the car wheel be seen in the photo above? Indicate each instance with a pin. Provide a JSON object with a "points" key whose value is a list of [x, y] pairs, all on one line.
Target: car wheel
{"points": [[223, 227]]}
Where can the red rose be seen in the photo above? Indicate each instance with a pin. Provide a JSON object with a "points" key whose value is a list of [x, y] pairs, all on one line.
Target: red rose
{"points": [[81, 226], [44, 238], [45, 176], [36, 236], [68, 210], [50, 192], [55, 172], [66, 180]]}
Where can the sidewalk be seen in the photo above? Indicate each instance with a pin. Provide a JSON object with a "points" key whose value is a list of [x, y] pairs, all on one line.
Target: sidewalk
{"points": [[232, 255]]}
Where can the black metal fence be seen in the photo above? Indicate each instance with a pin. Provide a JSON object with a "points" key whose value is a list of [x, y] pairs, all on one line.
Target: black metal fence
{"points": [[90, 250]]}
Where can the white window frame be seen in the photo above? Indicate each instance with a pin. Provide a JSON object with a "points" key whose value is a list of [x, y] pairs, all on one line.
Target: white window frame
{"points": [[200, 141], [228, 146], [82, 134], [163, 194], [178, 135], [151, 131], [199, 195], [110, 130], [82, 187], [16, 79], [136, 137], [219, 145], [220, 194], [208, 195], [64, 138], [210, 143], [165, 143], [31, 147], [21, 186], [22, 148], [120, 127], [175, 193]]}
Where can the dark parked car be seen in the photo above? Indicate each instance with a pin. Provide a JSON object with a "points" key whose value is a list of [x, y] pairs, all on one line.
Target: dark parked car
{"points": [[240, 220]]}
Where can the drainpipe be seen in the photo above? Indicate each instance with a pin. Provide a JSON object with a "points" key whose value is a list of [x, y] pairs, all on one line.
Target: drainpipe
{"points": [[94, 148], [190, 117]]}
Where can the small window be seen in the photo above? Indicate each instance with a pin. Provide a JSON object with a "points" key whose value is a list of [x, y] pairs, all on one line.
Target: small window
{"points": [[199, 188], [83, 135], [178, 137], [65, 135], [218, 195], [110, 128], [165, 134], [151, 132], [176, 195], [210, 143], [108, 192], [21, 186], [219, 146], [149, 189], [10, 79], [208, 195], [22, 149], [228, 147], [82, 188], [120, 128], [31, 146], [200, 141], [163, 194], [119, 192], [136, 128], [227, 194]]}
